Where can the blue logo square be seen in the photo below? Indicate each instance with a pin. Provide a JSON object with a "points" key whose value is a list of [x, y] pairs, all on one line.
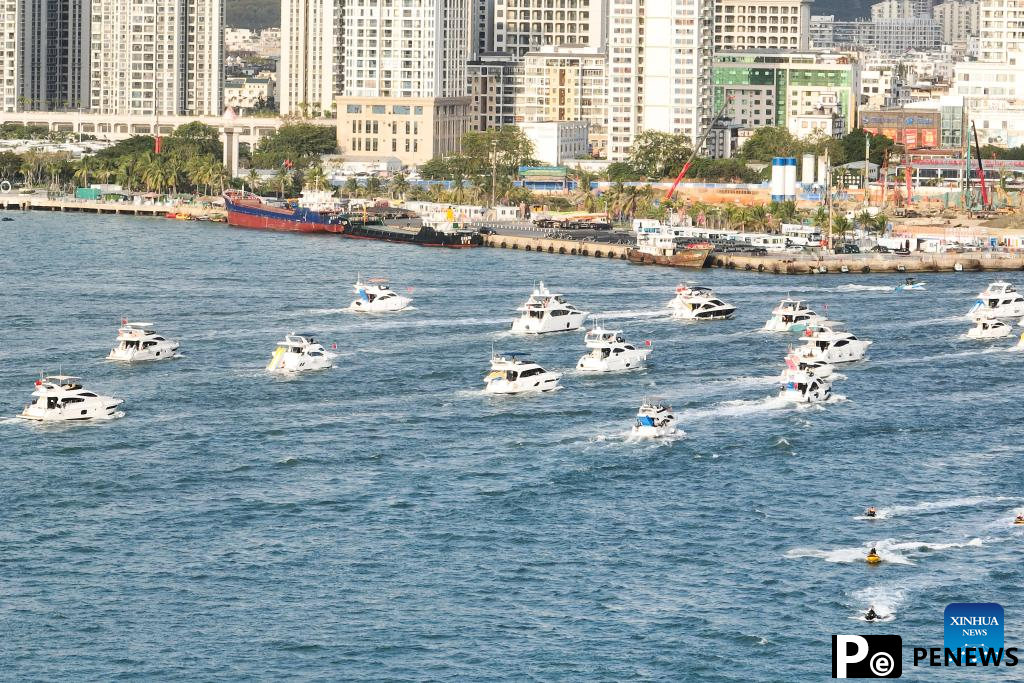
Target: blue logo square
{"points": [[973, 624]]}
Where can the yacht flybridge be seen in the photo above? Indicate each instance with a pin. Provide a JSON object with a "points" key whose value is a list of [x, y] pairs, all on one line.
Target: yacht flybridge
{"points": [[376, 296], [803, 386], [999, 300], [62, 398], [699, 303], [510, 374], [833, 347], [299, 353], [546, 312], [139, 342], [989, 328], [791, 315], [610, 352], [655, 420]]}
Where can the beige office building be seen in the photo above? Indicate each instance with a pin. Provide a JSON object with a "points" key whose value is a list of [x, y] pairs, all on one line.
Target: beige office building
{"points": [[405, 83]]}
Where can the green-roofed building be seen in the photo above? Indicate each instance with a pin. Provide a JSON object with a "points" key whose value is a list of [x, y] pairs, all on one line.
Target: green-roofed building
{"points": [[806, 92]]}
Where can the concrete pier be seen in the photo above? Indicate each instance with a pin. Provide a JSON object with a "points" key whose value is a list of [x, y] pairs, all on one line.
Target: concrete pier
{"points": [[557, 246], [41, 203], [871, 263]]}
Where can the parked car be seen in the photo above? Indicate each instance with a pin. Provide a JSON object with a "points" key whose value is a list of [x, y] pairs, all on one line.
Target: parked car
{"points": [[879, 249], [847, 249]]}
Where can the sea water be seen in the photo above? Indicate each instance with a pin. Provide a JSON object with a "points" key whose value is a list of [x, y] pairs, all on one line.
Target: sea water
{"points": [[385, 520]]}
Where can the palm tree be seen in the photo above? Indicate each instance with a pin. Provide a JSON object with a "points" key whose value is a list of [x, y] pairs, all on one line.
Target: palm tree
{"points": [[352, 187], [216, 175], [253, 179], [85, 167], [759, 218], [283, 179], [398, 186], [126, 172], [584, 197], [373, 186], [315, 179], [840, 225]]}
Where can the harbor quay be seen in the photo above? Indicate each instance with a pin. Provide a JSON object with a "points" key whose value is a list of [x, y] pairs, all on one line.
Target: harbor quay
{"points": [[566, 244]]}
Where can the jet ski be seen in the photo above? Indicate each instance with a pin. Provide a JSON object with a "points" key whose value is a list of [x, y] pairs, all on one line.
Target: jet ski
{"points": [[910, 285], [1019, 520], [871, 512], [872, 615], [873, 557]]}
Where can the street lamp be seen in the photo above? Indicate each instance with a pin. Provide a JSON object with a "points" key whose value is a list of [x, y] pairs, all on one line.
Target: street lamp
{"points": [[494, 172]]}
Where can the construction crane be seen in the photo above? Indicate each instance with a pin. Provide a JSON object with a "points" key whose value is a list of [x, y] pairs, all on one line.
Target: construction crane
{"points": [[697, 147]]}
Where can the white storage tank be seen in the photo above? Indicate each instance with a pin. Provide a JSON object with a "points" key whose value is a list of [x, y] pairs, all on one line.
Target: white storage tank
{"points": [[807, 170], [778, 183], [789, 189]]}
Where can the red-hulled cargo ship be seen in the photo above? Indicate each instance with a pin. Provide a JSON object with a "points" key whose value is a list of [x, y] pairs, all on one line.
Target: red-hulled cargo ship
{"points": [[319, 212], [246, 210]]}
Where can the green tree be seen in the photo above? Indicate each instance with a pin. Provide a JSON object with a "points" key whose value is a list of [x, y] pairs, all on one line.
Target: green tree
{"points": [[373, 186], [10, 163], [300, 143], [398, 186], [621, 172], [657, 155], [769, 142], [352, 187], [83, 169], [584, 197], [851, 147], [253, 180]]}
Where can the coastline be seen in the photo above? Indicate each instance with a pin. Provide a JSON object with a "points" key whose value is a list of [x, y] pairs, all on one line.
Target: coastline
{"points": [[777, 264]]}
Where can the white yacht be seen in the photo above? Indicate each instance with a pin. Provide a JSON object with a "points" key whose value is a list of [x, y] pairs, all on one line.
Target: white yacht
{"points": [[791, 315], [512, 375], [61, 398], [989, 328], [655, 420], [699, 303], [138, 342], [795, 364], [546, 312], [299, 353], [834, 347], [610, 352], [999, 300], [376, 296], [802, 386]]}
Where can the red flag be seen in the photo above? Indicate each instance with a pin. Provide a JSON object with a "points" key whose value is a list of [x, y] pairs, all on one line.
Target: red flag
{"points": [[158, 144]]}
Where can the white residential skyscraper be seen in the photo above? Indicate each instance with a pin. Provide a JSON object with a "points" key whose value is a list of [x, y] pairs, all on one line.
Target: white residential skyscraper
{"points": [[1001, 31], [522, 26], [762, 24], [45, 63], [152, 57], [659, 69], [310, 74], [405, 85]]}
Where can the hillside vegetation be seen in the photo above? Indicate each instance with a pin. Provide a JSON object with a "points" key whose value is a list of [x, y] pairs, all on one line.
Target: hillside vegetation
{"points": [[253, 14]]}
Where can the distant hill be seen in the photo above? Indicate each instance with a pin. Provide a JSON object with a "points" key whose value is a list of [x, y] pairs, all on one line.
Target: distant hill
{"points": [[264, 13], [843, 9], [253, 13]]}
